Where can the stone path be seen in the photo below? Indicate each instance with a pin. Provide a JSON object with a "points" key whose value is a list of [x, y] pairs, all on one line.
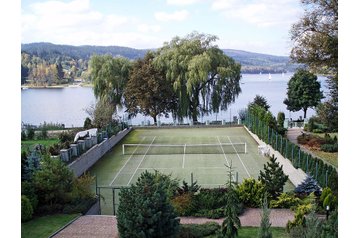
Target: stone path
{"points": [[92, 226]]}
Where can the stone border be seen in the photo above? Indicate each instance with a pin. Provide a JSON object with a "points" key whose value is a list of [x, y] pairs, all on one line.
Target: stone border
{"points": [[296, 176], [90, 157]]}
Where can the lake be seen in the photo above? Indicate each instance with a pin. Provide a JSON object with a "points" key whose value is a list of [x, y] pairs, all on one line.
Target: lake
{"points": [[67, 105]]}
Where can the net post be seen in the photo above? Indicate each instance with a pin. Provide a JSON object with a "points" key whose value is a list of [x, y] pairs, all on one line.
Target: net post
{"points": [[191, 178]]}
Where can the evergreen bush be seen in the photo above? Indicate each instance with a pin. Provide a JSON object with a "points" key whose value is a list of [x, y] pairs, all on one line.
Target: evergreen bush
{"points": [[329, 148], [309, 185], [285, 200], [251, 192], [26, 209], [198, 231], [144, 209]]}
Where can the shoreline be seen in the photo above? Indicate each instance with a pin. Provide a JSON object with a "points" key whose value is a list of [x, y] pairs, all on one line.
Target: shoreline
{"points": [[24, 87]]}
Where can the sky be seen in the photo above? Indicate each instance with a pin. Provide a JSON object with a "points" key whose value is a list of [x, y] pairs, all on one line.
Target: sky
{"points": [[253, 25]]}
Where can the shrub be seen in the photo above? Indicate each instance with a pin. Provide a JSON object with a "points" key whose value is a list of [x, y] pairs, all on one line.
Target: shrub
{"points": [[300, 213], [317, 130], [327, 198], [30, 134], [184, 204], [285, 200], [43, 134], [23, 135], [66, 136], [214, 213], [197, 231], [28, 190], [251, 192], [329, 148], [26, 209], [87, 123], [211, 198], [309, 185]]}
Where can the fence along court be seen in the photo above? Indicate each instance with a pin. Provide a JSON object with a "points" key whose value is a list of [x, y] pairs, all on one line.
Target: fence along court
{"points": [[194, 153]]}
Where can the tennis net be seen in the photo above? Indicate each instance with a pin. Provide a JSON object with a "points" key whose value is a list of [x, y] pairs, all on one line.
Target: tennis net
{"points": [[166, 149]]}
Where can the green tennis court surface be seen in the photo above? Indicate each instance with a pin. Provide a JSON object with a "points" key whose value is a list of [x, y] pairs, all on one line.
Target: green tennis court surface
{"points": [[202, 152]]}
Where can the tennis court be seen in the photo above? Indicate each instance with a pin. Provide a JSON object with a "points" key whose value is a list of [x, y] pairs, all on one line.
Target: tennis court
{"points": [[201, 153]]}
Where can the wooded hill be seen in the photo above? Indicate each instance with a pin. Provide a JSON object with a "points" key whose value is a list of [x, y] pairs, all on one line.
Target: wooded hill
{"points": [[51, 59]]}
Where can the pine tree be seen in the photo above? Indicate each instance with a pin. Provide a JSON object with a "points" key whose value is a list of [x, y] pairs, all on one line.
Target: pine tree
{"points": [[144, 209], [308, 186], [273, 178], [231, 224], [264, 231]]}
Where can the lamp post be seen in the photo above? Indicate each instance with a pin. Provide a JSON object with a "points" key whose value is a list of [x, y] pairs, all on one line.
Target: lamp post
{"points": [[327, 212]]}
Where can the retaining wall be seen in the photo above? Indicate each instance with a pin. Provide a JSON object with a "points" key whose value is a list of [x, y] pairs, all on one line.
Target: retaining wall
{"points": [[90, 157], [296, 176]]}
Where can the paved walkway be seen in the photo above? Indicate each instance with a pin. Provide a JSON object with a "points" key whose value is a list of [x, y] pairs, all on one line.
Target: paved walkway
{"points": [[92, 226]]}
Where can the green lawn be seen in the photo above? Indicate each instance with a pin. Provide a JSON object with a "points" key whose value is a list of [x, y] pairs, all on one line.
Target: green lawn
{"points": [[28, 144], [45, 226], [251, 232]]}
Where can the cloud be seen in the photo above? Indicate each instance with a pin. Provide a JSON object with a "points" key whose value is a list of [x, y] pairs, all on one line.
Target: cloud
{"points": [[262, 13], [77, 23], [182, 2], [148, 28], [175, 16]]}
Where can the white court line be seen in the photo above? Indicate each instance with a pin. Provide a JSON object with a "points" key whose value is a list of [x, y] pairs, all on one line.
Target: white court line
{"points": [[192, 167], [140, 162], [239, 157], [115, 177], [223, 151]]}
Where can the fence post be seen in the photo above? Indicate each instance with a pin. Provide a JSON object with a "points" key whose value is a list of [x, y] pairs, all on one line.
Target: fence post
{"points": [[306, 163], [281, 144], [292, 151], [276, 142], [316, 169], [99, 200], [326, 177], [237, 177], [113, 197], [299, 157], [286, 149]]}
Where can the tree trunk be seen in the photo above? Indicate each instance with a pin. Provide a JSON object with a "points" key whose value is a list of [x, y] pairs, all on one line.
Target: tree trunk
{"points": [[304, 113], [155, 119]]}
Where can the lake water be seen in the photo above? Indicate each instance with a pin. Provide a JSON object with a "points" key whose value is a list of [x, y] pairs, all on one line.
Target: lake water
{"points": [[67, 105]]}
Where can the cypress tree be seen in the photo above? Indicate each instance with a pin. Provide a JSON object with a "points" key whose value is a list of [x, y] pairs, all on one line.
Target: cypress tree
{"points": [[231, 224], [264, 231]]}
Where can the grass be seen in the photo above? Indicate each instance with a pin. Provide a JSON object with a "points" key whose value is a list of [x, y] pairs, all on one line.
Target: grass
{"points": [[45, 226], [29, 144], [331, 158], [251, 232]]}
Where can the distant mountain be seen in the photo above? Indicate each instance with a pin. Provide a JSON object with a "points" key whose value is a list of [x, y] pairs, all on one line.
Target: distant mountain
{"points": [[251, 62], [45, 50]]}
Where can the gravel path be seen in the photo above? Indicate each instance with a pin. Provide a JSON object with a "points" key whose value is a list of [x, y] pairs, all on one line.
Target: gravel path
{"points": [[93, 226]]}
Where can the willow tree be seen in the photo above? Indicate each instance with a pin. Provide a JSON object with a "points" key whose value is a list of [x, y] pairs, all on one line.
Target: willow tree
{"points": [[204, 78], [109, 76]]}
